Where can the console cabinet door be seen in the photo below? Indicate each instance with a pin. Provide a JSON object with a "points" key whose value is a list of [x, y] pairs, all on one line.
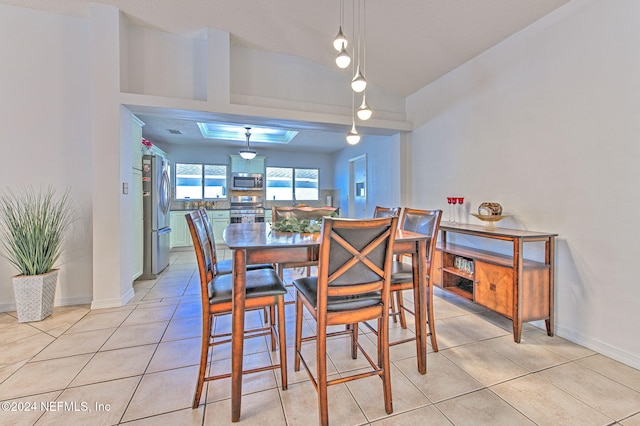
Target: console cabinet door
{"points": [[436, 268], [494, 287]]}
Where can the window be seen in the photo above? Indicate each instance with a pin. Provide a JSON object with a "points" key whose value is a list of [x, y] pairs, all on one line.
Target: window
{"points": [[199, 181], [286, 183]]}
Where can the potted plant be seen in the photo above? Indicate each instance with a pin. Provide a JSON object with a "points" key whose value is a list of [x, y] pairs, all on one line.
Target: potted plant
{"points": [[32, 227]]}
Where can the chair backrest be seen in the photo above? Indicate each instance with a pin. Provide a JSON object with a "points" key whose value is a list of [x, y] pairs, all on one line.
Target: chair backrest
{"points": [[202, 246], [380, 211], [425, 222], [311, 213], [209, 229], [355, 258]]}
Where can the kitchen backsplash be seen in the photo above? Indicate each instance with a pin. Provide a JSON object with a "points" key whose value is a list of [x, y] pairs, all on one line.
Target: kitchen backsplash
{"points": [[224, 204]]}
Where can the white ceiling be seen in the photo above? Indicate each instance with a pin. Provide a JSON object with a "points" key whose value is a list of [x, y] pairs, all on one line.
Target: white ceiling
{"points": [[409, 43]]}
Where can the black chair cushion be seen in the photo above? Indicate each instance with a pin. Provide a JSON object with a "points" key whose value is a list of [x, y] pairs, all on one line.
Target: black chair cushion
{"points": [[401, 272], [225, 267], [260, 282], [309, 289]]}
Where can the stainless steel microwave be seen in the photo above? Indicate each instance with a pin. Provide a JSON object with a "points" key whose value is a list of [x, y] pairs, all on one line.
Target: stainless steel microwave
{"points": [[247, 181]]}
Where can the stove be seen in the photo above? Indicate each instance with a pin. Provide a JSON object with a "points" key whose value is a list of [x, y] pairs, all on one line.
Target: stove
{"points": [[246, 209]]}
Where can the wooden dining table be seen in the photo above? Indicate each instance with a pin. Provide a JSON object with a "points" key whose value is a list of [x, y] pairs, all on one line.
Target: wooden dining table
{"points": [[253, 243]]}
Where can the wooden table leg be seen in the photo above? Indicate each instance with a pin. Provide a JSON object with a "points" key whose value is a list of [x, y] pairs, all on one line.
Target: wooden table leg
{"points": [[420, 259], [517, 290], [550, 249], [237, 330]]}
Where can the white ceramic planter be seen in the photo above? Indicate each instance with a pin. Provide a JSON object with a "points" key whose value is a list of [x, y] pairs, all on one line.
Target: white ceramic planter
{"points": [[34, 295]]}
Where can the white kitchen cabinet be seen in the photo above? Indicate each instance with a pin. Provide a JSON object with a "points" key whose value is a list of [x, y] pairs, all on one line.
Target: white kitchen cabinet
{"points": [[240, 165], [138, 223], [135, 191], [180, 235], [219, 221], [136, 143]]}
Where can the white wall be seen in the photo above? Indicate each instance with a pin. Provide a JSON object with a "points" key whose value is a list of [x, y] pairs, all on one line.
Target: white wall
{"points": [[546, 123], [45, 130], [259, 77], [383, 172]]}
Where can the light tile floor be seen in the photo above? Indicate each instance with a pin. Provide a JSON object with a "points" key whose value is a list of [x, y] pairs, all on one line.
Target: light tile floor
{"points": [[137, 365]]}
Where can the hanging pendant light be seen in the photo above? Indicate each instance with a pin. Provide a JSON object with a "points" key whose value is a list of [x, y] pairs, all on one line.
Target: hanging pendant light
{"points": [[247, 153], [364, 112], [340, 41], [358, 84], [343, 59], [353, 137]]}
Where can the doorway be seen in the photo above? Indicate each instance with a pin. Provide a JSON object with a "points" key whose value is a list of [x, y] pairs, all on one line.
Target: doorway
{"points": [[358, 191]]}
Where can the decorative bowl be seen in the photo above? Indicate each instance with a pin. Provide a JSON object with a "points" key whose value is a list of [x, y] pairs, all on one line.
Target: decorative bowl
{"points": [[489, 220], [490, 209]]}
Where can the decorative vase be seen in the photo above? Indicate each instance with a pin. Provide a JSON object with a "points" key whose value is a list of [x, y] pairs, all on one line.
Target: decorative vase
{"points": [[34, 295]]}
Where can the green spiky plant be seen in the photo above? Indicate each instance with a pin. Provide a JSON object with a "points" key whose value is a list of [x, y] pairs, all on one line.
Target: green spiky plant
{"points": [[32, 227]]}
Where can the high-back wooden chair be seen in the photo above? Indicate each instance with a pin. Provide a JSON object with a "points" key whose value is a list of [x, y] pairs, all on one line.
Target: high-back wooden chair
{"points": [[309, 213], [352, 286], [380, 211], [223, 267], [423, 222], [264, 289]]}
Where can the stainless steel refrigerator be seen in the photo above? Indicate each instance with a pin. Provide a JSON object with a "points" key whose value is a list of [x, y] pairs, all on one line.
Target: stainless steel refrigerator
{"points": [[156, 200]]}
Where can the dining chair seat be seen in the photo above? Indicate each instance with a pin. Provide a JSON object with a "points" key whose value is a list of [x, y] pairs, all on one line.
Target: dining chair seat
{"points": [[260, 282], [225, 267], [309, 288], [402, 272]]}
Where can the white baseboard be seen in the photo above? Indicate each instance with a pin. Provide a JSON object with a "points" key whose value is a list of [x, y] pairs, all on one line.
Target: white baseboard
{"points": [[632, 360], [115, 302], [69, 301]]}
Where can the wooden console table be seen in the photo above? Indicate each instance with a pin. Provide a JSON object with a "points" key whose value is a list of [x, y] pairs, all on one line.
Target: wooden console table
{"points": [[520, 289]]}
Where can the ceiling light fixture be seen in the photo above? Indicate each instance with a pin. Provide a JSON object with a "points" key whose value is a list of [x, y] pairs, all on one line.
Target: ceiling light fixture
{"points": [[364, 112], [247, 153], [359, 83], [353, 137], [343, 59], [340, 41]]}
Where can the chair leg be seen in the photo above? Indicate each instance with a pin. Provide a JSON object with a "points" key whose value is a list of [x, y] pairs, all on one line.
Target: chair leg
{"points": [[204, 355], [272, 322], [354, 340], [282, 334], [394, 309], [400, 303], [430, 318], [298, 342], [383, 330], [321, 361]]}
